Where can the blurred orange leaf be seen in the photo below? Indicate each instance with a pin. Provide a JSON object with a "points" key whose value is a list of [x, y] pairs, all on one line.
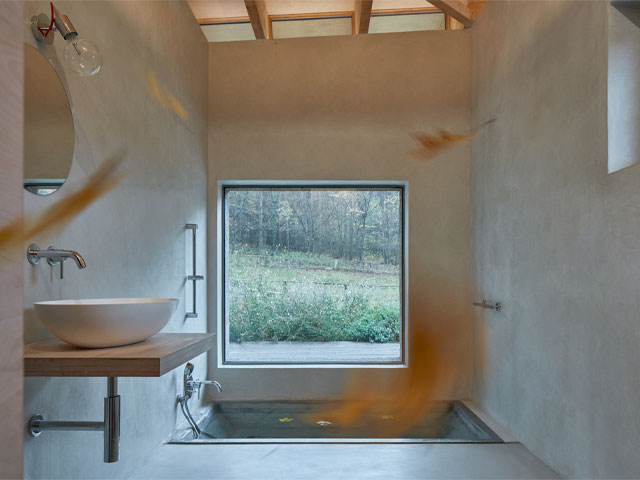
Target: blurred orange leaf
{"points": [[62, 212], [433, 144]]}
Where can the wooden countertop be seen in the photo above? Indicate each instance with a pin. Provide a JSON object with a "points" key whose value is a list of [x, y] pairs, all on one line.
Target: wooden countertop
{"points": [[152, 358]]}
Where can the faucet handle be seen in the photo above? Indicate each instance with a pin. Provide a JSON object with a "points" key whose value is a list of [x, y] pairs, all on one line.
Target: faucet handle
{"points": [[197, 384], [193, 386], [52, 261]]}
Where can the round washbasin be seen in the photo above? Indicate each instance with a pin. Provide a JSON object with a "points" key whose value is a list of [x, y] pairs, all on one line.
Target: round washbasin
{"points": [[107, 322]]}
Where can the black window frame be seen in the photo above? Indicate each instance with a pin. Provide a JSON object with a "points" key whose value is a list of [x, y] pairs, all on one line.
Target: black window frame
{"points": [[224, 186]]}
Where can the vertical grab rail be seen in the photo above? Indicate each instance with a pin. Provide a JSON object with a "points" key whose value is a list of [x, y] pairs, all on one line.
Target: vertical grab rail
{"points": [[193, 277]]}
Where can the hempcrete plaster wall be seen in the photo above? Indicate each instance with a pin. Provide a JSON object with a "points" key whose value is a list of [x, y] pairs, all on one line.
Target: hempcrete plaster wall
{"points": [[133, 239], [555, 239], [11, 427], [343, 108]]}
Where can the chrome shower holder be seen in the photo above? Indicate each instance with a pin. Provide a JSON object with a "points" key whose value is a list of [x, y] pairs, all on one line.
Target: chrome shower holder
{"points": [[497, 306], [194, 277]]}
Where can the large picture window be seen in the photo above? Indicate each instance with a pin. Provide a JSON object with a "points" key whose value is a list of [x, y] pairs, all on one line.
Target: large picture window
{"points": [[312, 274]]}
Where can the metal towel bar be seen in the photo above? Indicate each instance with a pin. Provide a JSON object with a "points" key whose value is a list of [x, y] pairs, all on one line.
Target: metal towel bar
{"points": [[491, 306], [193, 277]]}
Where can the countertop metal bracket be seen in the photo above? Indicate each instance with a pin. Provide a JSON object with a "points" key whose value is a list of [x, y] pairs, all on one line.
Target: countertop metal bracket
{"points": [[193, 277], [110, 426]]}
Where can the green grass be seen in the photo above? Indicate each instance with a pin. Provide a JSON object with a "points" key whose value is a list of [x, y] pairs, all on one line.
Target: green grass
{"points": [[299, 297], [243, 255]]}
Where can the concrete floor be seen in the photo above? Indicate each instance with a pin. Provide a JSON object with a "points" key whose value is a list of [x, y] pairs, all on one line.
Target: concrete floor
{"points": [[335, 462]]}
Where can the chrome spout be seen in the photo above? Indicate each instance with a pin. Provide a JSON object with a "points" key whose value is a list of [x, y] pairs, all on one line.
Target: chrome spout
{"points": [[62, 255], [210, 382]]}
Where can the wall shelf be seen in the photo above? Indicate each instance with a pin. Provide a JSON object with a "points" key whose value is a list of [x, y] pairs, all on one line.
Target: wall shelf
{"points": [[152, 358]]}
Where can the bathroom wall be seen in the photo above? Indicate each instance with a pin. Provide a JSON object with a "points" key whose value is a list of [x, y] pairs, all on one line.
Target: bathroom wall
{"points": [[11, 260], [133, 239], [343, 108], [555, 239]]}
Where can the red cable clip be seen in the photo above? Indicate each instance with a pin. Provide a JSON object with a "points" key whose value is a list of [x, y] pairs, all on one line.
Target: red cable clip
{"points": [[45, 31]]}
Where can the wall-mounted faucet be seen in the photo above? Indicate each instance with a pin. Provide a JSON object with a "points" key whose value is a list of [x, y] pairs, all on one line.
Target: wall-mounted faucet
{"points": [[53, 256], [189, 387]]}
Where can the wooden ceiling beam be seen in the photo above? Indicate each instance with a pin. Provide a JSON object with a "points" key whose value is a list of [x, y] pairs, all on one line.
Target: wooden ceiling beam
{"points": [[363, 15], [259, 18], [457, 10]]}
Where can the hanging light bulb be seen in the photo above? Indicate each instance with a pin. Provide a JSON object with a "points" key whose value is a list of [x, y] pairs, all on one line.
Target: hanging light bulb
{"points": [[82, 57]]}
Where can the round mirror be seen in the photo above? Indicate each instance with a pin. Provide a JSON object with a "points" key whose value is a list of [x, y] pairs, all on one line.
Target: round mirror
{"points": [[49, 137]]}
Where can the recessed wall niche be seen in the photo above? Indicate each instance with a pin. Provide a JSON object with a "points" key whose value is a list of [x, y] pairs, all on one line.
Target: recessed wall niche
{"points": [[623, 86]]}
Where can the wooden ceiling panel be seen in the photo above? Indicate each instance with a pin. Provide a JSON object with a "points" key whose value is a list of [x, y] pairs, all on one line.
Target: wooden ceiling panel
{"points": [[399, 4], [288, 7], [260, 13], [217, 8], [220, 9]]}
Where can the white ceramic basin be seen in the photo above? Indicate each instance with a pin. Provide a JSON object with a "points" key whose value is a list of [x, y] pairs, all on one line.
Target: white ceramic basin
{"points": [[107, 322]]}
